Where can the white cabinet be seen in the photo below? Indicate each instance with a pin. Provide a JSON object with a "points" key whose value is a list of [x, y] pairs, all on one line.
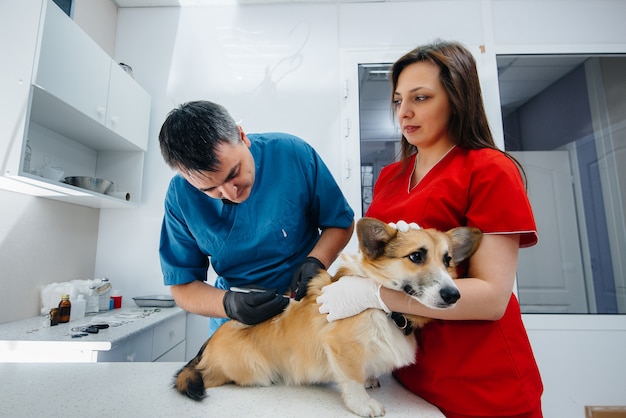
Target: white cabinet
{"points": [[77, 108], [168, 339], [128, 108], [134, 335], [70, 68], [137, 348], [163, 342]]}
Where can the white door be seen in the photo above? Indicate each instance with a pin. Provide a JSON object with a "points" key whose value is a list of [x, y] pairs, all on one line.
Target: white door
{"points": [[550, 275]]}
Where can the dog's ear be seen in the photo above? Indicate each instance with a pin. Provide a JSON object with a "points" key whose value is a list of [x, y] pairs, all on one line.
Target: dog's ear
{"points": [[465, 242], [373, 236]]}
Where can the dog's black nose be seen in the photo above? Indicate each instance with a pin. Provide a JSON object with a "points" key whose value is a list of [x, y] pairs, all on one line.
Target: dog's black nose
{"points": [[449, 295]]}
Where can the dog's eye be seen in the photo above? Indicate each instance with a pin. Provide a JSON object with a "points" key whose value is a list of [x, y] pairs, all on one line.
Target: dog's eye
{"points": [[418, 257], [446, 260]]}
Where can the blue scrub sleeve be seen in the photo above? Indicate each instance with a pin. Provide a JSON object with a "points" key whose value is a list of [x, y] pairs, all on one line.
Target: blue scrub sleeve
{"points": [[181, 259]]}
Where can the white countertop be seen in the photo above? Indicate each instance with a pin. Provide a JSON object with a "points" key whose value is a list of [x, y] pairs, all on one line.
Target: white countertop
{"points": [[19, 339], [145, 390]]}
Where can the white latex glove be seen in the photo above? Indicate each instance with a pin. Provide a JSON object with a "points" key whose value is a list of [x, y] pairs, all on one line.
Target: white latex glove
{"points": [[349, 296], [402, 226]]}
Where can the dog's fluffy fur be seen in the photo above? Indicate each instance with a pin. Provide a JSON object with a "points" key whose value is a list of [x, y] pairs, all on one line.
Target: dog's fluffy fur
{"points": [[300, 346]]}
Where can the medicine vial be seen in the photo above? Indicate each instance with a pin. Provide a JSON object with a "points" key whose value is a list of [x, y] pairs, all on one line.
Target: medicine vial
{"points": [[65, 307]]}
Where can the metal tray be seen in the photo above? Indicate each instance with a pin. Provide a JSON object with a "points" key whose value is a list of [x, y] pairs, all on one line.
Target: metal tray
{"points": [[154, 301]]}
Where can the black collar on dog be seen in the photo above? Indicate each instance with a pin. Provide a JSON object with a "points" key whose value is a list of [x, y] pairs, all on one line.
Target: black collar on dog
{"points": [[402, 323]]}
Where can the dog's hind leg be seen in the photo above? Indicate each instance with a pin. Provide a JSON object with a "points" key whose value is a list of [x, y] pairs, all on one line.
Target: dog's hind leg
{"points": [[188, 380], [201, 372], [372, 383]]}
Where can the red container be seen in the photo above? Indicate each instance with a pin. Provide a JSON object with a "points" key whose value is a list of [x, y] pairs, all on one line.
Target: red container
{"points": [[117, 301]]}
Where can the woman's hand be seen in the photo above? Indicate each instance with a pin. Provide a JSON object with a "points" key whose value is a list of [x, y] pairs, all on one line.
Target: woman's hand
{"points": [[349, 296]]}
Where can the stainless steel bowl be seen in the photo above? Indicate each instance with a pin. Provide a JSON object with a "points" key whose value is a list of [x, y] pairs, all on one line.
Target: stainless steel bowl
{"points": [[90, 183], [154, 301]]}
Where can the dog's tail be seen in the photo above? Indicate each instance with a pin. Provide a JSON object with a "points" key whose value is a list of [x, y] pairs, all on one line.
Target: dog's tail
{"points": [[188, 380]]}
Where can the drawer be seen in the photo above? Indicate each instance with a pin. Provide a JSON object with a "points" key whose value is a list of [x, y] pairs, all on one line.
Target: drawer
{"points": [[138, 348], [176, 354], [167, 335]]}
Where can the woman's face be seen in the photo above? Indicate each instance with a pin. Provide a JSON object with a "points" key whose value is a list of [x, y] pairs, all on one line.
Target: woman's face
{"points": [[422, 105]]}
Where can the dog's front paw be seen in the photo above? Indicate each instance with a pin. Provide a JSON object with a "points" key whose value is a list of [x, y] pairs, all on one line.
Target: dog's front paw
{"points": [[372, 383], [358, 401], [372, 408]]}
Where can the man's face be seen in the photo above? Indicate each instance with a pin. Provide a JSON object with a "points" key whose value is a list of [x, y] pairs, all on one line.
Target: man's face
{"points": [[235, 177]]}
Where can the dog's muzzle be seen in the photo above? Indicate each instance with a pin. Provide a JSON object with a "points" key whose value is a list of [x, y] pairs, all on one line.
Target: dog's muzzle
{"points": [[449, 294]]}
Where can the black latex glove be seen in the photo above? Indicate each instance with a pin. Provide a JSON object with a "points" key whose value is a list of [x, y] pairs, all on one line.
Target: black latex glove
{"points": [[254, 307], [309, 268]]}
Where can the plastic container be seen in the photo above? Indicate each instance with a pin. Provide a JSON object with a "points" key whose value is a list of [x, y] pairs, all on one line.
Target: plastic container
{"points": [[104, 292], [116, 296], [79, 307], [65, 308], [93, 301]]}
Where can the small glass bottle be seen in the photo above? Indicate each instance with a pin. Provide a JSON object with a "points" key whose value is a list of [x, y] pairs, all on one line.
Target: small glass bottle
{"points": [[65, 307], [54, 317]]}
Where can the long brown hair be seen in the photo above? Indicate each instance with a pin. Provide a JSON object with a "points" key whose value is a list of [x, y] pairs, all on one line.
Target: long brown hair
{"points": [[468, 125]]}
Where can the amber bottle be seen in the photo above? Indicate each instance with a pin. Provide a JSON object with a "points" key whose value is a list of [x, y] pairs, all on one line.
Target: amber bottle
{"points": [[65, 306]]}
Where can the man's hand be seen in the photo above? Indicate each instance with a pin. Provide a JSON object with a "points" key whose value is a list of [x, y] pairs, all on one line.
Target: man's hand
{"points": [[253, 307], [310, 267]]}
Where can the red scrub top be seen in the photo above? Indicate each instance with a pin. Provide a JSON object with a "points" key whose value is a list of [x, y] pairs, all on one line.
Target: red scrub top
{"points": [[484, 368]]}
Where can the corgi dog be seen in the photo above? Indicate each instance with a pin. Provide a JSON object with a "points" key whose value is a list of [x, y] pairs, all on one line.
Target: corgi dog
{"points": [[299, 346]]}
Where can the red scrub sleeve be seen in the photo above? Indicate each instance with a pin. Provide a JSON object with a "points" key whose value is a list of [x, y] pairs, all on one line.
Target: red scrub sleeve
{"points": [[498, 200]]}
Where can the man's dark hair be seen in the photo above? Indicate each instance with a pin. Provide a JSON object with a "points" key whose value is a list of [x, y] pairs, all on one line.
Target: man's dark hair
{"points": [[191, 132]]}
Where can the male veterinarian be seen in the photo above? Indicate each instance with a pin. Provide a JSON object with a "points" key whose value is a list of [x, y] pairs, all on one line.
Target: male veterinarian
{"points": [[253, 206]]}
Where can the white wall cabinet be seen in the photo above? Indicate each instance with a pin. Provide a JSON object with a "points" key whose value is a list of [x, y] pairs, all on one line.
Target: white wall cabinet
{"points": [[70, 68], [79, 111]]}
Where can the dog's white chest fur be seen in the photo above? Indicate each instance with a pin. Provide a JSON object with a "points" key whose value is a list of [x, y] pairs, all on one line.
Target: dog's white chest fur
{"points": [[388, 347]]}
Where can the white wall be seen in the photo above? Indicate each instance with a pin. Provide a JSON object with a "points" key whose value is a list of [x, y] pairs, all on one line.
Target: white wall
{"points": [[277, 67], [98, 18], [41, 241]]}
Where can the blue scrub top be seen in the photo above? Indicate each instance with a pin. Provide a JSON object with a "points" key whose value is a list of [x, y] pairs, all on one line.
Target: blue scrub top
{"points": [[262, 240]]}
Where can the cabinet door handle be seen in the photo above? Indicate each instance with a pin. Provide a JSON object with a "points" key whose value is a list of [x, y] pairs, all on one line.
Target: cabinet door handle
{"points": [[114, 120], [100, 110]]}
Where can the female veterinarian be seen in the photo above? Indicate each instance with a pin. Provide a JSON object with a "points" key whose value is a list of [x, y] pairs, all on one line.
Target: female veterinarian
{"points": [[476, 359]]}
